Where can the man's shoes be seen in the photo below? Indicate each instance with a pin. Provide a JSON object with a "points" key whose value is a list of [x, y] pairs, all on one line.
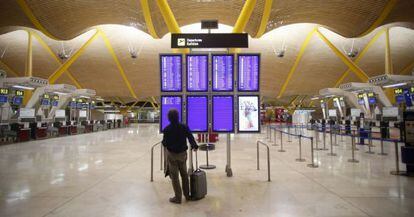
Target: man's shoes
{"points": [[188, 198], [175, 200]]}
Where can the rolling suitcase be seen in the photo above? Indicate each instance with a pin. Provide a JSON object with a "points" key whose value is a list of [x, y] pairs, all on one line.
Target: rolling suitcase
{"points": [[198, 183]]}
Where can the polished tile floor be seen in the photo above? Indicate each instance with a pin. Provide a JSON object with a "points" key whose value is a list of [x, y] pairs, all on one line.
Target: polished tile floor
{"points": [[108, 174]]}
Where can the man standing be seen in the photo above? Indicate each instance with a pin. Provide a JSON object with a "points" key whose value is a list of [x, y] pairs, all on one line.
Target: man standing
{"points": [[175, 140]]}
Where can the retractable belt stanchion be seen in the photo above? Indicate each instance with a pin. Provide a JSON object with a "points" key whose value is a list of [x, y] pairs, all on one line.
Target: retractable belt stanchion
{"points": [[274, 136], [397, 171], [382, 148], [331, 153], [353, 160], [300, 159], [289, 137], [337, 130], [370, 144], [324, 140], [317, 139], [312, 165], [281, 142]]}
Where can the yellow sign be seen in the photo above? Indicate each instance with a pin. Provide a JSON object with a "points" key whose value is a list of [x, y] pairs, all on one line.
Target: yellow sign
{"points": [[398, 91], [371, 95], [46, 96], [4, 91], [19, 93], [56, 97]]}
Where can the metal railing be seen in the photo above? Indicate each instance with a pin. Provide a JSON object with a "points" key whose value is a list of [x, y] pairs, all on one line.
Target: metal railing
{"points": [[152, 159], [268, 158]]}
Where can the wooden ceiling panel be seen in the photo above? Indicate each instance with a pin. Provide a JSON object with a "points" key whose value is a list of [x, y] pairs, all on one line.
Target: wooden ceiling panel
{"points": [[15, 44], [373, 63], [43, 63], [402, 46]]}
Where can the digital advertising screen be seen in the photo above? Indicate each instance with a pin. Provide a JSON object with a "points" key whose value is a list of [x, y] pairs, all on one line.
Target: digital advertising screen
{"points": [[168, 103], [197, 72], [222, 114], [197, 113], [222, 69], [171, 73], [249, 111], [248, 72]]}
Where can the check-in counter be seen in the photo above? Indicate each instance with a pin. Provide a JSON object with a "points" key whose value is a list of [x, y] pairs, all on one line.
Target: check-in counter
{"points": [[41, 132]]}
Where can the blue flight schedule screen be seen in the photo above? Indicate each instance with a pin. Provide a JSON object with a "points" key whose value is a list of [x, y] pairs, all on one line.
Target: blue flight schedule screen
{"points": [[168, 103], [222, 72], [248, 72], [197, 69], [171, 73], [223, 114], [197, 113]]}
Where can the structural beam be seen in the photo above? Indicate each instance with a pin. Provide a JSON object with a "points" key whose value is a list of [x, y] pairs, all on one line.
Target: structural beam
{"points": [[244, 16], [29, 55], [155, 102], [355, 68], [293, 101], [359, 57], [29, 14], [265, 18], [408, 69], [120, 101], [8, 69], [148, 20], [135, 103], [118, 64], [140, 108], [64, 67], [56, 58], [381, 18], [388, 57], [296, 63]]}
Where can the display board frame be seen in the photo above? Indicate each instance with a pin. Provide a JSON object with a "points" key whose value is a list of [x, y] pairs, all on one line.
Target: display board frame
{"points": [[207, 113], [206, 76], [258, 72], [212, 114], [161, 110], [181, 72], [232, 73], [258, 112]]}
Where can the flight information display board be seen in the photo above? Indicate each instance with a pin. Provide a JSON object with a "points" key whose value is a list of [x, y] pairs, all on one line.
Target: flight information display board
{"points": [[197, 113], [248, 72], [168, 103], [222, 69], [197, 72], [249, 114], [4, 99], [222, 114], [171, 73]]}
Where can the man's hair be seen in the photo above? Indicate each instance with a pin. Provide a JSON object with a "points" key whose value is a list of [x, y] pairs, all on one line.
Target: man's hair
{"points": [[173, 116]]}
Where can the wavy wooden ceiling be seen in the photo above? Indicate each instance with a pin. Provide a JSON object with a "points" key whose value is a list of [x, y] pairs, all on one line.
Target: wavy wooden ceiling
{"points": [[319, 67]]}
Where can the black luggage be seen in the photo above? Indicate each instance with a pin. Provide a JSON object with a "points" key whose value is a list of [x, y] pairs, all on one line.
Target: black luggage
{"points": [[198, 183]]}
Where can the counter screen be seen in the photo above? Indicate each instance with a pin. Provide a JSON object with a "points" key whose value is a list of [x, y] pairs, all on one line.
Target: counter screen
{"points": [[170, 67], [197, 113], [168, 103], [197, 72], [248, 72], [222, 69], [222, 114]]}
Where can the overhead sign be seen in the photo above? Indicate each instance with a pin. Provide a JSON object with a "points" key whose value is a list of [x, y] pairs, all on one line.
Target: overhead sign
{"points": [[216, 40]]}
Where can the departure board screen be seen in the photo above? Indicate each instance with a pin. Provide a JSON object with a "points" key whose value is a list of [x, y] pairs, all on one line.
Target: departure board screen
{"points": [[197, 113], [223, 67], [222, 114], [168, 103], [248, 72], [171, 73], [197, 72]]}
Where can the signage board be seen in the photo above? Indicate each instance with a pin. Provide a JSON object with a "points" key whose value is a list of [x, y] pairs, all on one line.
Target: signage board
{"points": [[197, 72], [213, 40], [248, 72], [197, 113], [171, 72], [168, 103], [222, 114], [222, 70]]}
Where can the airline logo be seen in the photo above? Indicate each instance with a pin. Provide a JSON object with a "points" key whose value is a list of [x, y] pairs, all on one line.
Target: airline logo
{"points": [[181, 42]]}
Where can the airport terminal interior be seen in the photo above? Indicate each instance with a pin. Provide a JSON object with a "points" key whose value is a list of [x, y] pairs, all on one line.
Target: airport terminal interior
{"points": [[298, 108]]}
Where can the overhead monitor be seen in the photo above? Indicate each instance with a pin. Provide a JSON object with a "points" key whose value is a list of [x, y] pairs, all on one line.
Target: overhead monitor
{"points": [[44, 101], [17, 100], [249, 114], [222, 114], [197, 72], [55, 103], [168, 103], [60, 113], [171, 72], [222, 69], [248, 72], [3, 98], [197, 113]]}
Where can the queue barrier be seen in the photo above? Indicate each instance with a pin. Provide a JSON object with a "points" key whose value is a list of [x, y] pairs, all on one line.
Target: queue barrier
{"points": [[268, 158], [152, 159]]}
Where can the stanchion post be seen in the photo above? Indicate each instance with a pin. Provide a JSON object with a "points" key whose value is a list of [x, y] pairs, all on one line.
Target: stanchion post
{"points": [[331, 153], [289, 138], [370, 144], [275, 137], [324, 140], [257, 159], [353, 160], [281, 142], [317, 139], [300, 159], [382, 148], [161, 156], [397, 171], [312, 165]]}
